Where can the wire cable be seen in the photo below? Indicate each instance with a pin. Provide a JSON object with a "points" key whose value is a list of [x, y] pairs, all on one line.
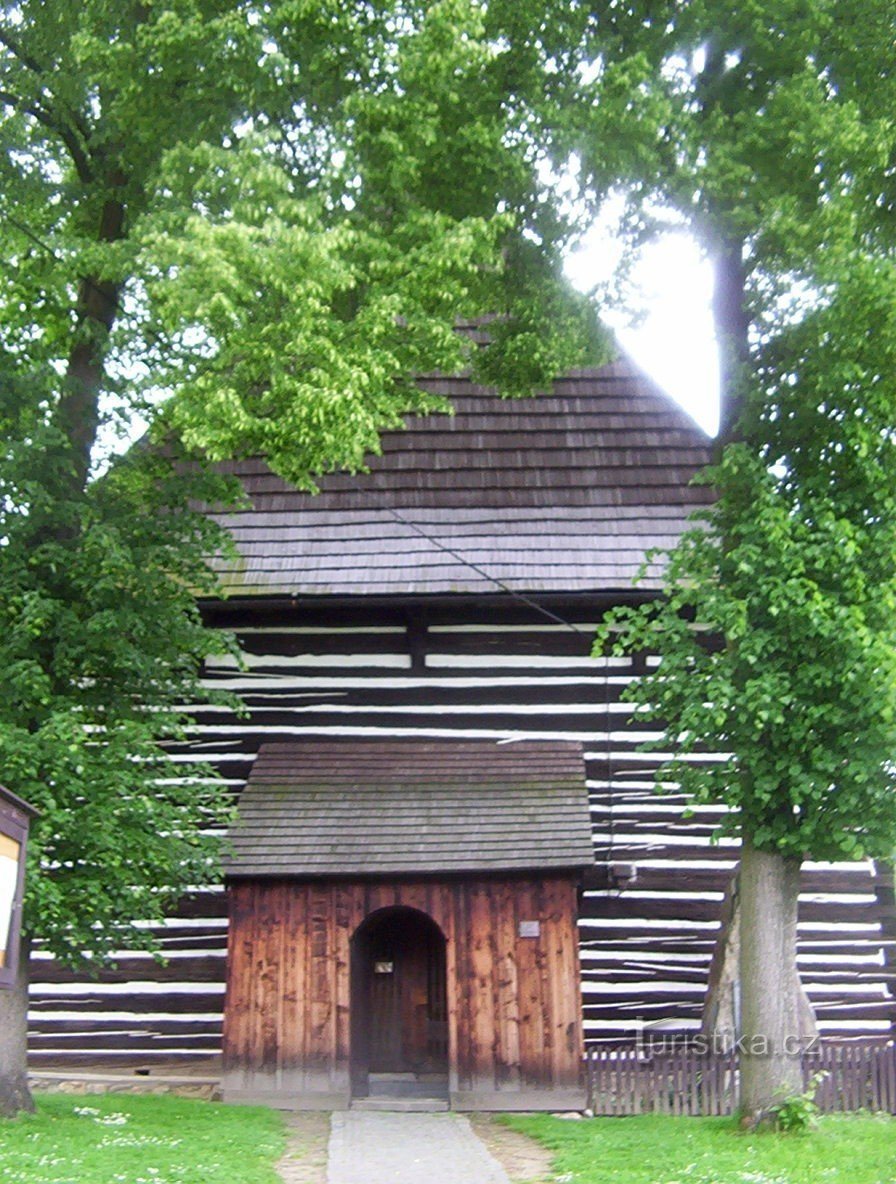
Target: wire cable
{"points": [[481, 572]]}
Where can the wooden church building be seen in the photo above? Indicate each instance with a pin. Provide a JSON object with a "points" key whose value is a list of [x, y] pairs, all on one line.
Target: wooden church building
{"points": [[450, 870]]}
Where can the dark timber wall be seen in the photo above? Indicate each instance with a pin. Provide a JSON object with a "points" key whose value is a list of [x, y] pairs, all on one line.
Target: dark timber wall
{"points": [[514, 1019], [477, 669]]}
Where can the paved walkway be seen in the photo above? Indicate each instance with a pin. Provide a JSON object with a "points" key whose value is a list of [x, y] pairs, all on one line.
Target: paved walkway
{"points": [[385, 1148]]}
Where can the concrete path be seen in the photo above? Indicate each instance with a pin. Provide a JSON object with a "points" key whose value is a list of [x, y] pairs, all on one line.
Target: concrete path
{"points": [[371, 1148]]}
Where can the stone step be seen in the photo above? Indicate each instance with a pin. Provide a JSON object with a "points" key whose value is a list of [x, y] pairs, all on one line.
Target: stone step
{"points": [[41, 1076], [408, 1089], [401, 1105], [73, 1082]]}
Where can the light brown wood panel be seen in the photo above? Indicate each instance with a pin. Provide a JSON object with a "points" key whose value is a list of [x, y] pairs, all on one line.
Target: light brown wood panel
{"points": [[513, 1002], [531, 1053], [507, 983]]}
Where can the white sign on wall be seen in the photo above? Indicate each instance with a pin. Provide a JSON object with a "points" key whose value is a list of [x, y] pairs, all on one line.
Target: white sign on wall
{"points": [[10, 852]]}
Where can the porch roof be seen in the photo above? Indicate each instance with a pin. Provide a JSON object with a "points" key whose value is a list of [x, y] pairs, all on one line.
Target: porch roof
{"points": [[361, 807]]}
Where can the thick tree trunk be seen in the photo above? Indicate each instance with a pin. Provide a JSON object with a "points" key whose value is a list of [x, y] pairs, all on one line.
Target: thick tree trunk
{"points": [[57, 516], [722, 1023], [777, 1021], [14, 1093]]}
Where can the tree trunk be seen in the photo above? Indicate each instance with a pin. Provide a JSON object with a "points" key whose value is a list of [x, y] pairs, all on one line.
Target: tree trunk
{"points": [[732, 327], [14, 1093], [777, 1020], [58, 516], [721, 1023], [77, 415]]}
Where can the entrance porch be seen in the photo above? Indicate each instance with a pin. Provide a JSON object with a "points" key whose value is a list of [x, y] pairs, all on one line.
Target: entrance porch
{"points": [[457, 981]]}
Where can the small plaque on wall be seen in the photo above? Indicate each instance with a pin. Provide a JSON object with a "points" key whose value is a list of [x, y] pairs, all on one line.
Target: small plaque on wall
{"points": [[530, 929], [383, 967]]}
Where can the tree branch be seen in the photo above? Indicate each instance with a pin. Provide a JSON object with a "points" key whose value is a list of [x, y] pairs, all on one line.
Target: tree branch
{"points": [[67, 135], [41, 70], [21, 54]]}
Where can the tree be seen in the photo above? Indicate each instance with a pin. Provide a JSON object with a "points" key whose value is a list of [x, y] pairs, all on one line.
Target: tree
{"points": [[246, 226], [767, 129]]}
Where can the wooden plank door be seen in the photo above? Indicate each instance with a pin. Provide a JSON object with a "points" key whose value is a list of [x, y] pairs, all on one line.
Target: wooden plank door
{"points": [[406, 983], [385, 1014]]}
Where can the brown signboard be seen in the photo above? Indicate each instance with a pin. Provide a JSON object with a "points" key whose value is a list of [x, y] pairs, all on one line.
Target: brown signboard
{"points": [[15, 816]]}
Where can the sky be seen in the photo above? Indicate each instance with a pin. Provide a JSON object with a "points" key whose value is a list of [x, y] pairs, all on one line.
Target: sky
{"points": [[668, 328]]}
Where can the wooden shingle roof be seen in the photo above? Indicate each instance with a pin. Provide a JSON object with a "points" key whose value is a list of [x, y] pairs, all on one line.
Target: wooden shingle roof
{"points": [[558, 493], [365, 807]]}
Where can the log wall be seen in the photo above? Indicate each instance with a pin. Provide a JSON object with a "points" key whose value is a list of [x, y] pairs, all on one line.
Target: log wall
{"points": [[492, 670], [514, 1013]]}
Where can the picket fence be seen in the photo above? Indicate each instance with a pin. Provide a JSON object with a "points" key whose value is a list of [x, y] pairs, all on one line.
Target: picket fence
{"points": [[641, 1080]]}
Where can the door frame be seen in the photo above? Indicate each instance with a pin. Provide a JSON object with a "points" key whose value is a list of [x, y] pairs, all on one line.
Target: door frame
{"points": [[360, 974]]}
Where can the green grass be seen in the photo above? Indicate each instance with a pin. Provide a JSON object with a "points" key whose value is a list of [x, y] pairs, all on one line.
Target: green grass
{"points": [[133, 1139], [656, 1149]]}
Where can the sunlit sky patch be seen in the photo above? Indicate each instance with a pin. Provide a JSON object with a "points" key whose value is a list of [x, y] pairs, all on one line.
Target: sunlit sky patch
{"points": [[667, 326]]}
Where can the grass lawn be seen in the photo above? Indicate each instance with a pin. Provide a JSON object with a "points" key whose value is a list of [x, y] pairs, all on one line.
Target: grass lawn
{"points": [[657, 1149], [133, 1139]]}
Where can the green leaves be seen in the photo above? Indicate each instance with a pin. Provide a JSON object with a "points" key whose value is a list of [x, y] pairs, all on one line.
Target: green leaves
{"points": [[101, 647], [309, 324], [238, 228], [778, 646], [773, 139]]}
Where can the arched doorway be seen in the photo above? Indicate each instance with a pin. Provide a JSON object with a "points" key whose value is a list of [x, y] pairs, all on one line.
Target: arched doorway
{"points": [[399, 1011]]}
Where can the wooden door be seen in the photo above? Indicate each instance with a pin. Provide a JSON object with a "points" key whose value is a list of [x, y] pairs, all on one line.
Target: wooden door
{"points": [[406, 992], [385, 1011]]}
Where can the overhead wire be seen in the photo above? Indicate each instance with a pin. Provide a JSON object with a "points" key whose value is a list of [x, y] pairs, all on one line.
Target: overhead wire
{"points": [[482, 573]]}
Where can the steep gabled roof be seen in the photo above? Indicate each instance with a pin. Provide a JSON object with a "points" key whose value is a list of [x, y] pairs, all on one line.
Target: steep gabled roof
{"points": [[558, 493], [368, 807]]}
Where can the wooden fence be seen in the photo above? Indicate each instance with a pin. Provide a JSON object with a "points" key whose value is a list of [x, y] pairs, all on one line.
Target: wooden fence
{"points": [[639, 1080]]}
